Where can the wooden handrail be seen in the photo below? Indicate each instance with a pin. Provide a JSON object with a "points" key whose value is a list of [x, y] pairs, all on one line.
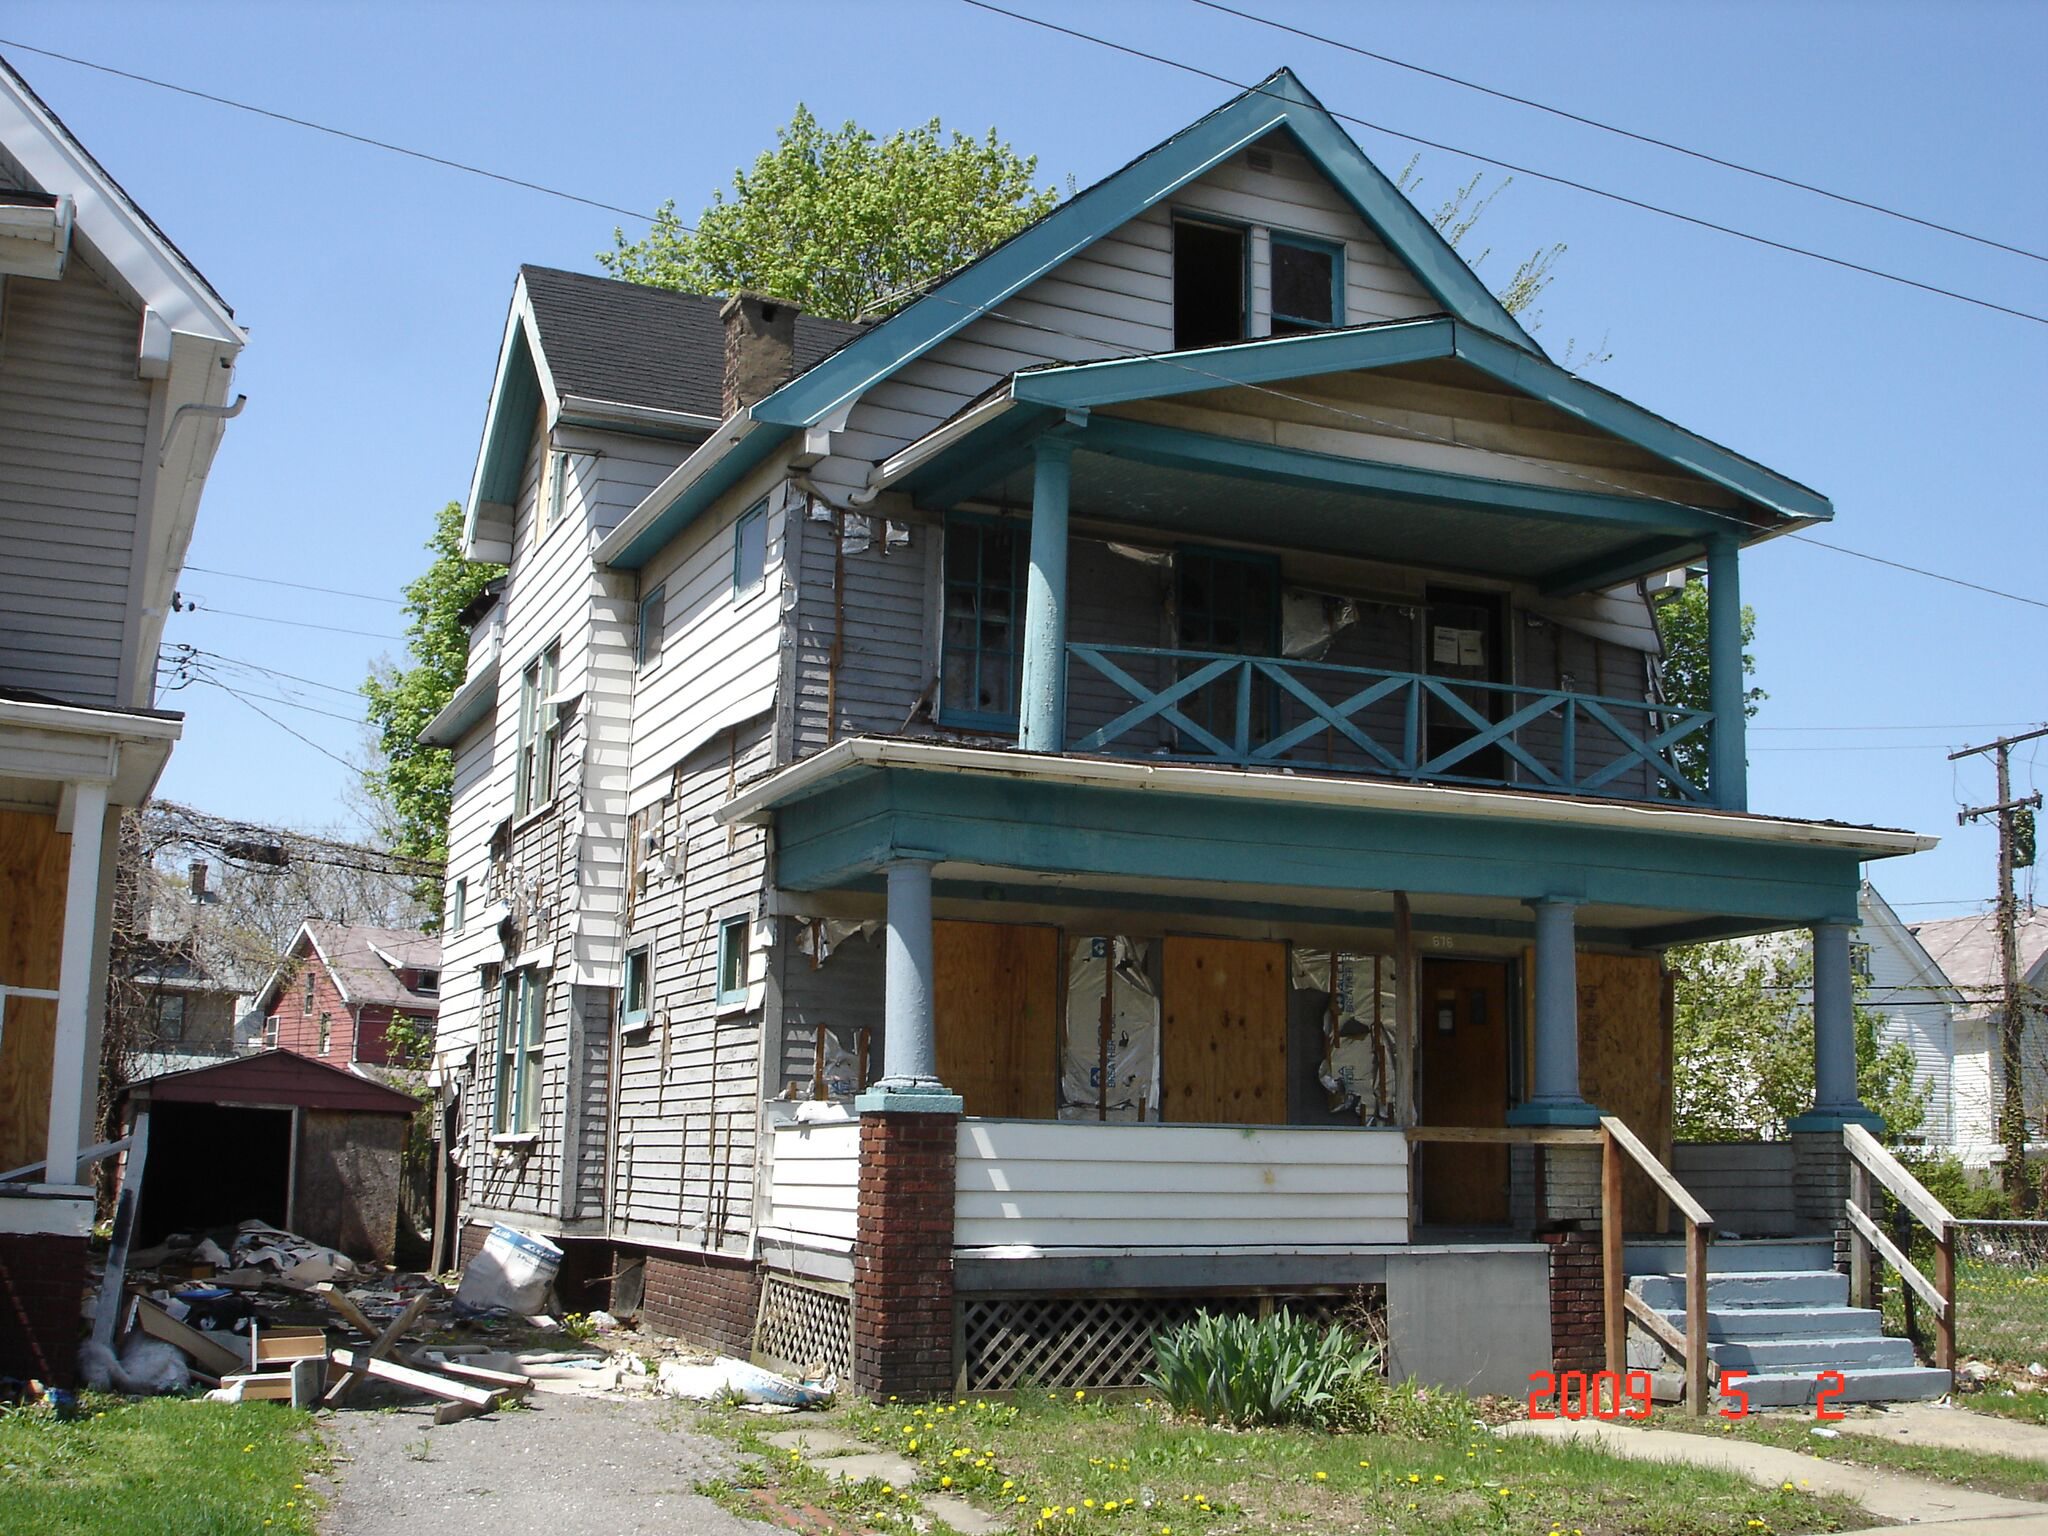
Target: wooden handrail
{"points": [[1618, 1139], [1869, 1160], [1507, 1135]]}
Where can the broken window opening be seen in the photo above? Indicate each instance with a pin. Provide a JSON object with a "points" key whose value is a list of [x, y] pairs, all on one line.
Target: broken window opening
{"points": [[1208, 284]]}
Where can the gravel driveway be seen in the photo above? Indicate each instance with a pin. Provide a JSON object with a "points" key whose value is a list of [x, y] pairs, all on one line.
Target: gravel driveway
{"points": [[568, 1466]]}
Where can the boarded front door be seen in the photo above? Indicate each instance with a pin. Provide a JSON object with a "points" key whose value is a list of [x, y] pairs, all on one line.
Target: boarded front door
{"points": [[994, 1004], [1223, 1044], [1463, 1026]]}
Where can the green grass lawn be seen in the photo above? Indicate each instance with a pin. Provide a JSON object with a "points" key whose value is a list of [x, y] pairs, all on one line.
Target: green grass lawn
{"points": [[1061, 1467], [2014, 1476], [158, 1467], [2027, 1407]]}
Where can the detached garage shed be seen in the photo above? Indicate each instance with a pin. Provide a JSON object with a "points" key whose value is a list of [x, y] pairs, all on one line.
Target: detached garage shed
{"points": [[293, 1142]]}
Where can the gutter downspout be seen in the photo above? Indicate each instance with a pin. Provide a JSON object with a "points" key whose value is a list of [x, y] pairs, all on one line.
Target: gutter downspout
{"points": [[220, 413]]}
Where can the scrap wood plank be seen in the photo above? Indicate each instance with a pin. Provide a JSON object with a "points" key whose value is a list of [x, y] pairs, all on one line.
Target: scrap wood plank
{"points": [[381, 1344], [460, 1400], [214, 1357], [504, 1381]]}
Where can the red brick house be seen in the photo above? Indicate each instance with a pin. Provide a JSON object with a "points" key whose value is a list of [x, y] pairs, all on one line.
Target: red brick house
{"points": [[340, 986]]}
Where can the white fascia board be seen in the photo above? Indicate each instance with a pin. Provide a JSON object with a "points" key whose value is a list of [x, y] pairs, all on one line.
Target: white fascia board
{"points": [[35, 241], [754, 804], [728, 435], [583, 410], [108, 221], [463, 710], [938, 440]]}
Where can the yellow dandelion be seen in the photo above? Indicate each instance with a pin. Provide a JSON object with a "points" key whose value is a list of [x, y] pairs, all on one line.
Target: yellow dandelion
{"points": [[1047, 1513], [1438, 1478], [1009, 1483], [945, 1482], [1322, 1477], [1365, 1463], [887, 1490], [1079, 1395], [1087, 1503]]}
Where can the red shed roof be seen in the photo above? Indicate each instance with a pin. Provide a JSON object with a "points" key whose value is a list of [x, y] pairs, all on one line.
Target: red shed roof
{"points": [[275, 1077]]}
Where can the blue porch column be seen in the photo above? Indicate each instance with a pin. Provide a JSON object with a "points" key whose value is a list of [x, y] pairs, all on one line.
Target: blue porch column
{"points": [[1835, 1100], [910, 1056], [1044, 691], [1554, 1097], [1729, 761]]}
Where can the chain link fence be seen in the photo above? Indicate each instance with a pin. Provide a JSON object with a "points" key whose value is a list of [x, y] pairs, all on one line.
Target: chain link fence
{"points": [[2002, 1292]]}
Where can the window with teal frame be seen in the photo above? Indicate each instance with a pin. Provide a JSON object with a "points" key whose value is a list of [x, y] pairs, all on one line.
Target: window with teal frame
{"points": [[522, 998], [732, 961], [634, 993], [1308, 284], [982, 639]]}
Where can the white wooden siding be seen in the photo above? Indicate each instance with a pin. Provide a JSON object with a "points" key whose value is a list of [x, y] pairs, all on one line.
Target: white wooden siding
{"points": [[1044, 1184], [813, 1186], [1916, 1016], [73, 420]]}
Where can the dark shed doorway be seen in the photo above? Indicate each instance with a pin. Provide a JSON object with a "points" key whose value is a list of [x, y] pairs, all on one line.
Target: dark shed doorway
{"points": [[215, 1165]]}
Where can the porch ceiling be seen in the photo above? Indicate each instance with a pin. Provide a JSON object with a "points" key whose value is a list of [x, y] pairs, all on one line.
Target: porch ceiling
{"points": [[1519, 471], [1014, 826]]}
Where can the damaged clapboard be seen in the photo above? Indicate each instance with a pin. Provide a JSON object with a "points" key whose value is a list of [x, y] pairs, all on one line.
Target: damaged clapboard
{"points": [[460, 1399]]}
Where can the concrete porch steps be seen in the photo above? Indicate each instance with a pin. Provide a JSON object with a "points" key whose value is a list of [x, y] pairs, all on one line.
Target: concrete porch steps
{"points": [[1779, 1311]]}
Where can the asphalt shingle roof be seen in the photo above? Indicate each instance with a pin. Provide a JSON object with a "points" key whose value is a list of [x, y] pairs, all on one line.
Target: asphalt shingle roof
{"points": [[354, 954], [1966, 948], [634, 345]]}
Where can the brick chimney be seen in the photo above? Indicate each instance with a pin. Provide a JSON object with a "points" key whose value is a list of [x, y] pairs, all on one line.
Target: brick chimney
{"points": [[200, 895], [760, 347]]}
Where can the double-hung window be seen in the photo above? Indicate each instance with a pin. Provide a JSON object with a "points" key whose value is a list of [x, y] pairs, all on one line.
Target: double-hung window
{"points": [[1308, 284], [522, 1001], [750, 551], [984, 609], [170, 1017], [653, 616], [537, 730], [732, 961], [458, 905], [636, 992]]}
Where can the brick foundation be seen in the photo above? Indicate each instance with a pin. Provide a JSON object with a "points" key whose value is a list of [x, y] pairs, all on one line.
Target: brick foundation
{"points": [[42, 1287], [705, 1298], [903, 1258], [1578, 1311]]}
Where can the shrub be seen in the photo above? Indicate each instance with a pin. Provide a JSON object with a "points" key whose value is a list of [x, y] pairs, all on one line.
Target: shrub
{"points": [[1241, 1370]]}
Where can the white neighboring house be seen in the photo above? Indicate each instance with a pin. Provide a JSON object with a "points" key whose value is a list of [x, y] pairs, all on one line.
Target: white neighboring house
{"points": [[1964, 951], [1907, 986]]}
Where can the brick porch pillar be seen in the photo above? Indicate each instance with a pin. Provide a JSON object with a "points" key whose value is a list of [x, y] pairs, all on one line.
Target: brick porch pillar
{"points": [[1578, 1310], [903, 1234], [903, 1255]]}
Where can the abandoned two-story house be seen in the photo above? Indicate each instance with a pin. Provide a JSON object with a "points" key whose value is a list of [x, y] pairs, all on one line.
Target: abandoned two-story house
{"points": [[1139, 779], [116, 358]]}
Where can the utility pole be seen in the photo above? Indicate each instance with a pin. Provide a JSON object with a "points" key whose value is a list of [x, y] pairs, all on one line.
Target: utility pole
{"points": [[2012, 1118]]}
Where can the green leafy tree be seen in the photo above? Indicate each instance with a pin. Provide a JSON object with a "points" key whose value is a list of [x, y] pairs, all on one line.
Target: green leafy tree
{"points": [[1742, 1046], [1682, 622], [842, 222], [414, 784]]}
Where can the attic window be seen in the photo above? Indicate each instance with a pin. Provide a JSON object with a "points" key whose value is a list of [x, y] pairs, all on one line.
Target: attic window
{"points": [[1208, 284], [429, 983], [1308, 285]]}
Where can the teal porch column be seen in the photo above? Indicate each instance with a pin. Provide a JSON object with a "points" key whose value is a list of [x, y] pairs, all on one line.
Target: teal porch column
{"points": [[1729, 762], [1043, 709], [1835, 1100], [910, 1056], [1554, 1097]]}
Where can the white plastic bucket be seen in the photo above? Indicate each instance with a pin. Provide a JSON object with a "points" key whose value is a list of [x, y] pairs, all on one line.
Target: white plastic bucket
{"points": [[515, 1271]]}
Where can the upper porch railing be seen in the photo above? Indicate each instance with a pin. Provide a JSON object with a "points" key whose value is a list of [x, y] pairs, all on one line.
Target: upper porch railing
{"points": [[1259, 711]]}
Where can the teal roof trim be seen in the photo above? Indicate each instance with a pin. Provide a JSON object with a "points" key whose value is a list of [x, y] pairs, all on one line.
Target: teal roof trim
{"points": [[1115, 380], [740, 458], [1280, 102], [508, 433]]}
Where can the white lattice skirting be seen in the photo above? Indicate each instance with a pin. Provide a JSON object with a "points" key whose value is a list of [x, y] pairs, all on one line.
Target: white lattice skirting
{"points": [[805, 1326]]}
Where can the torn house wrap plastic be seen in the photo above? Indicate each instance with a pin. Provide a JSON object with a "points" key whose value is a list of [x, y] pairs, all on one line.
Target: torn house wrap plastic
{"points": [[1133, 1055], [1310, 621], [1359, 1065]]}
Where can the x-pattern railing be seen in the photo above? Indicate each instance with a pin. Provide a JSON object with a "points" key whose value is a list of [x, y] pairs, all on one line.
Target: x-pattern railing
{"points": [[1254, 733]]}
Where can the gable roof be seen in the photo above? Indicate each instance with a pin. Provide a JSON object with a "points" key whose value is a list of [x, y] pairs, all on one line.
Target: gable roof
{"points": [[125, 238], [1966, 949], [1279, 103], [364, 962], [596, 351]]}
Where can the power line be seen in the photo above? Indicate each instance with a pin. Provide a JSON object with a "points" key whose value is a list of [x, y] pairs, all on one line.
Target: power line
{"points": [[1626, 133], [190, 606], [339, 133], [1964, 725], [271, 698], [278, 581], [266, 714], [1523, 170], [192, 651], [1955, 581]]}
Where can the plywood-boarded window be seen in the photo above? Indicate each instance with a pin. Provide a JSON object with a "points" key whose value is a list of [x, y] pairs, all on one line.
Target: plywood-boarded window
{"points": [[1223, 1043], [995, 991]]}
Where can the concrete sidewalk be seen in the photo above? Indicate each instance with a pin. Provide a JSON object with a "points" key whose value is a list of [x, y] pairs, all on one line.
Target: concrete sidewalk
{"points": [[1887, 1495], [1955, 1429]]}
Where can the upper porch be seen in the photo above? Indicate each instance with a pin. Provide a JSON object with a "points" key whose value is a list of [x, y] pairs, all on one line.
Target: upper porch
{"points": [[1420, 467]]}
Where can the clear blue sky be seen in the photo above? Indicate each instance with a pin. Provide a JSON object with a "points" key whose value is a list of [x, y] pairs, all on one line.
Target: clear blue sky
{"points": [[375, 288]]}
